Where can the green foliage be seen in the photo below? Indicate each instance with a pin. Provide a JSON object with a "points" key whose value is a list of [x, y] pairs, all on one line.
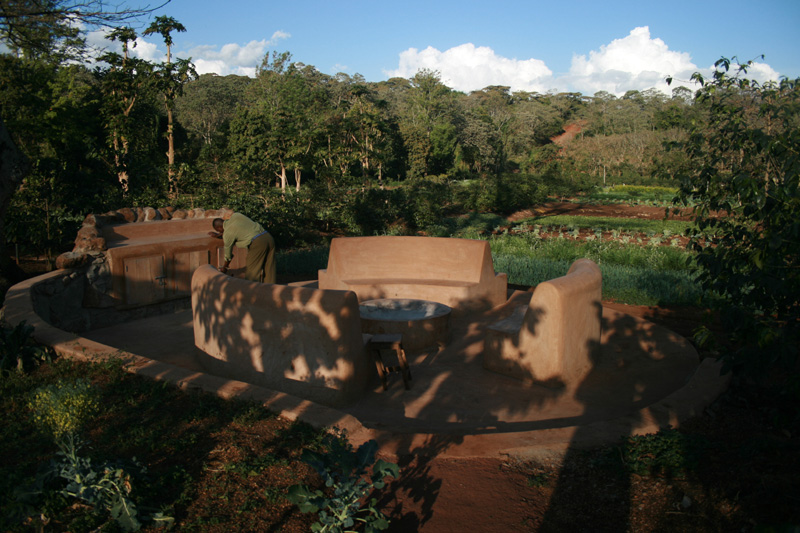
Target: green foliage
{"points": [[668, 453], [303, 260], [639, 275], [501, 193], [346, 474], [745, 187], [61, 410], [18, 350], [638, 225], [641, 190]]}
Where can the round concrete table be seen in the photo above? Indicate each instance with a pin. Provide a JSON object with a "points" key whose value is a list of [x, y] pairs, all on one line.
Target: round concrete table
{"points": [[421, 323]]}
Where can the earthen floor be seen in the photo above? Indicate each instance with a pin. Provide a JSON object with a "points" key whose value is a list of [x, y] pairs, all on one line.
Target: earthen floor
{"points": [[644, 377]]}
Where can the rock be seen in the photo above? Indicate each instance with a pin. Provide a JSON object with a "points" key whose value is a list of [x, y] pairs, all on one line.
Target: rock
{"points": [[179, 214], [97, 245], [199, 212], [87, 232], [151, 214], [113, 217], [72, 260], [225, 213], [139, 215], [165, 213], [127, 214]]}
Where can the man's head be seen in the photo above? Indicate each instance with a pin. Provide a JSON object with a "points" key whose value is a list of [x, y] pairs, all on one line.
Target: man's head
{"points": [[218, 224]]}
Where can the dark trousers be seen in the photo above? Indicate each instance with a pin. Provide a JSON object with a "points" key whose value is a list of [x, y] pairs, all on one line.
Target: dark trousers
{"points": [[261, 259]]}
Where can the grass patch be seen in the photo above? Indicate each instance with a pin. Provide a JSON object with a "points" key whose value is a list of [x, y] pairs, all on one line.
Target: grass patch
{"points": [[658, 258], [633, 193], [630, 285], [632, 274]]}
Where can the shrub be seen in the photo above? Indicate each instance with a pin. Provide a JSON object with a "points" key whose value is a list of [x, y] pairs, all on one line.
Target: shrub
{"points": [[18, 351], [745, 185], [346, 473]]}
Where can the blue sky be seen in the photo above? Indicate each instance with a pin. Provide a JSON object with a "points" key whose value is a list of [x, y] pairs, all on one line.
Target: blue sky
{"points": [[529, 45]]}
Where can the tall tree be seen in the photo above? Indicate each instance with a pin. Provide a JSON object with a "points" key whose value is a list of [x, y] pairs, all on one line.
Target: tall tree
{"points": [[43, 27], [34, 28], [430, 104], [123, 82], [170, 78]]}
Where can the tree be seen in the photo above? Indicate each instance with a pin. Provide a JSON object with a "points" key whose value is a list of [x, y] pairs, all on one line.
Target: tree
{"points": [[123, 82], [47, 30], [745, 188], [170, 78], [430, 105], [40, 27], [205, 110]]}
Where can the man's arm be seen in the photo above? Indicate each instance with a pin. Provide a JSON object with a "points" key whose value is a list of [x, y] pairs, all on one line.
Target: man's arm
{"points": [[229, 241]]}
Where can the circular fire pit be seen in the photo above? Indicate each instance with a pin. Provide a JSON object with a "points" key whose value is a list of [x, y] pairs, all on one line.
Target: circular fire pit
{"points": [[422, 323]]}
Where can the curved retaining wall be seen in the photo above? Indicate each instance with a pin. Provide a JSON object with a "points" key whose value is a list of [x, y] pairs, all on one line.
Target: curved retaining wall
{"points": [[302, 341]]}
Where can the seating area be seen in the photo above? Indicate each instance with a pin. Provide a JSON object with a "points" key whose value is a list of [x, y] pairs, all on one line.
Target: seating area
{"points": [[299, 349], [456, 272], [552, 340]]}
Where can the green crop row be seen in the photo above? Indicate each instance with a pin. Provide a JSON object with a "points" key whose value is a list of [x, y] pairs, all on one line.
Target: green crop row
{"points": [[656, 258], [631, 285]]}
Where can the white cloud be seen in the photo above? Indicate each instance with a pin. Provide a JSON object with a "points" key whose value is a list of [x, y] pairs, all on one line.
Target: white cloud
{"points": [[233, 58], [469, 68], [762, 72], [147, 51], [635, 62]]}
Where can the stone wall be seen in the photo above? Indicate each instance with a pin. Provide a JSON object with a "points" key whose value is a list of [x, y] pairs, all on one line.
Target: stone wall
{"points": [[90, 242]]}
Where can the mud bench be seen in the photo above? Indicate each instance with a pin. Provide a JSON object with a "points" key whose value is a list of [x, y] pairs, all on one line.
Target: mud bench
{"points": [[456, 272]]}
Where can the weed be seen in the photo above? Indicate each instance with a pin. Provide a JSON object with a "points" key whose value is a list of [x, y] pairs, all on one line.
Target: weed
{"points": [[539, 479], [18, 351], [668, 453], [61, 410]]}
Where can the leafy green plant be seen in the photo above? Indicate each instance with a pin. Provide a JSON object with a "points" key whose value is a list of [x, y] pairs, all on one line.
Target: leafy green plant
{"points": [[61, 410], [744, 182], [18, 350], [347, 476]]}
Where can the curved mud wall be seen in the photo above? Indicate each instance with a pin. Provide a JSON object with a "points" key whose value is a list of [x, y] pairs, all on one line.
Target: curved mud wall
{"points": [[298, 340]]}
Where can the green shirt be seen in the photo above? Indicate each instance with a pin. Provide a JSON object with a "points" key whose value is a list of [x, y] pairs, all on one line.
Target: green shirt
{"points": [[239, 230]]}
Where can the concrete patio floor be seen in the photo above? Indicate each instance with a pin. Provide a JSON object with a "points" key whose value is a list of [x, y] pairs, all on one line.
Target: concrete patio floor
{"points": [[644, 378]]}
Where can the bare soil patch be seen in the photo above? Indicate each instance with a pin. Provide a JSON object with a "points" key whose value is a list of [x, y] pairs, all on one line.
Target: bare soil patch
{"points": [[648, 212]]}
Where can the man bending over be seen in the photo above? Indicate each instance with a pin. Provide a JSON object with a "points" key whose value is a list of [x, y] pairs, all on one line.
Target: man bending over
{"points": [[245, 233]]}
